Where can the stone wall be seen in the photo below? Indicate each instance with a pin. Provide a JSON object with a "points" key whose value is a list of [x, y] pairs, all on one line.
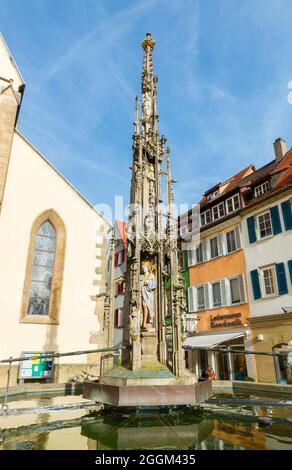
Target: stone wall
{"points": [[8, 109]]}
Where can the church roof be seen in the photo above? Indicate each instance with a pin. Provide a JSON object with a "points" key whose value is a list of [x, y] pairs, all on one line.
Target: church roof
{"points": [[8, 66]]}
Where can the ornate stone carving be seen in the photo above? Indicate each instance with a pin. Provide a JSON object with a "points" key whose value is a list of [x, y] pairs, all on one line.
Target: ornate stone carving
{"points": [[150, 247], [148, 41]]}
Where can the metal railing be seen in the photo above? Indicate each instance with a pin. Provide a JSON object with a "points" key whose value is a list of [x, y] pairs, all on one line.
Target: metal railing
{"points": [[118, 348], [11, 360], [235, 351]]}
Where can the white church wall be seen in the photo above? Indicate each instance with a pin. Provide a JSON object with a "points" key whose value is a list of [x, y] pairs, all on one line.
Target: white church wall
{"points": [[33, 187]]}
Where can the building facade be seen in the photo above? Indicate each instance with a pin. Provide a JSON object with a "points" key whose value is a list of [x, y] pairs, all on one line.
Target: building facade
{"points": [[52, 249], [240, 274], [117, 278], [267, 241], [218, 296]]}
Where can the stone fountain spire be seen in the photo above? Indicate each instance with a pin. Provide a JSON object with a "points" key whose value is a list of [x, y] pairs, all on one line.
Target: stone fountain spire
{"points": [[149, 92], [148, 374], [152, 251]]}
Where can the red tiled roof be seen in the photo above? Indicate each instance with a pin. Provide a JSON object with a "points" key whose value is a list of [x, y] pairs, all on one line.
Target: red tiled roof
{"points": [[266, 196], [282, 168], [284, 165], [258, 175], [249, 177], [273, 168], [231, 184], [122, 229]]}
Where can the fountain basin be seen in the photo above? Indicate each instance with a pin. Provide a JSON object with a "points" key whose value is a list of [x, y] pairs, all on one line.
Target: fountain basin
{"points": [[147, 395]]}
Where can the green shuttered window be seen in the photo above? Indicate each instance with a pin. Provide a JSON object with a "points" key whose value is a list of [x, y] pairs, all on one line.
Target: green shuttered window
{"points": [[276, 223], [256, 287], [290, 269], [251, 229], [287, 214], [281, 278]]}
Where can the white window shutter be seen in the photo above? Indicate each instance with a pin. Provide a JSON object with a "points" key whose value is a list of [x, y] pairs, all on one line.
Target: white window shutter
{"points": [[237, 237], [192, 299], [192, 257], [223, 292], [205, 251], [241, 288], [220, 244], [210, 291], [225, 243], [228, 292], [195, 299], [206, 296], [189, 258]]}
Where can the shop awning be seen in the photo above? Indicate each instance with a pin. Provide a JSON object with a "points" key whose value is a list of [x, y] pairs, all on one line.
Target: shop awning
{"points": [[210, 341]]}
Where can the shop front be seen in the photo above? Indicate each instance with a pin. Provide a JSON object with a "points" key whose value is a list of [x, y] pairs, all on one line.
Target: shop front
{"points": [[273, 334], [203, 354]]}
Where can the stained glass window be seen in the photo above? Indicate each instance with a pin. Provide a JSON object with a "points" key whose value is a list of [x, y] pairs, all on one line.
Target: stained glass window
{"points": [[42, 271]]}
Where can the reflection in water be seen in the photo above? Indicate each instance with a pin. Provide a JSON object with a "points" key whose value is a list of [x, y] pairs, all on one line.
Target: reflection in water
{"points": [[189, 429], [36, 441], [185, 430], [148, 430]]}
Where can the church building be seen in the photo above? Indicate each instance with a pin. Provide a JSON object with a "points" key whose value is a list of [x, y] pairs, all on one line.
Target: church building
{"points": [[52, 250]]}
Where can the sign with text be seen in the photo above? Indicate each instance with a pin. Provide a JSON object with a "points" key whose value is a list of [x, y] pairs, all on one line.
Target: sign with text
{"points": [[36, 366], [226, 320]]}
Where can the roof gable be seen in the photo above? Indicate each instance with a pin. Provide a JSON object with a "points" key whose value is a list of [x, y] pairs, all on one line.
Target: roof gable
{"points": [[8, 67]]}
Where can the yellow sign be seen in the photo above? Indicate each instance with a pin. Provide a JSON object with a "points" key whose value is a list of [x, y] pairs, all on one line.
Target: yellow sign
{"points": [[37, 359]]}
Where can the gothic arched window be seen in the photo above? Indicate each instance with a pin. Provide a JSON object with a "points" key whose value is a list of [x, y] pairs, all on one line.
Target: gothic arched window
{"points": [[41, 300], [42, 270]]}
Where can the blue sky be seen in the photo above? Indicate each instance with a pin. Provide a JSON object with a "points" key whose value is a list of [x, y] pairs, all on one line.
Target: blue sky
{"points": [[223, 69]]}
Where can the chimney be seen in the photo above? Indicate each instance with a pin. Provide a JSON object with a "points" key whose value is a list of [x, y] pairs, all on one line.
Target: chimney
{"points": [[279, 148]]}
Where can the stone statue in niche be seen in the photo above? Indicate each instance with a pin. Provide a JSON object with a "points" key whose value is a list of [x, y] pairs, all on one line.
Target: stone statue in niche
{"points": [[151, 180], [150, 217], [146, 104], [135, 324], [148, 285]]}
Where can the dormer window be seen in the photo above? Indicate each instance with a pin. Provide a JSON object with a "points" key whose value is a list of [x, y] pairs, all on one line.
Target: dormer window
{"points": [[213, 195], [261, 189]]}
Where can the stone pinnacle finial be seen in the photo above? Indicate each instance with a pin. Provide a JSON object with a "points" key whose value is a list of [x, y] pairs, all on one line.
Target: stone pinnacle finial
{"points": [[137, 118], [148, 41]]}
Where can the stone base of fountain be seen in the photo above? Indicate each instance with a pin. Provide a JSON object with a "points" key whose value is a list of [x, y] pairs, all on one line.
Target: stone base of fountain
{"points": [[153, 385]]}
